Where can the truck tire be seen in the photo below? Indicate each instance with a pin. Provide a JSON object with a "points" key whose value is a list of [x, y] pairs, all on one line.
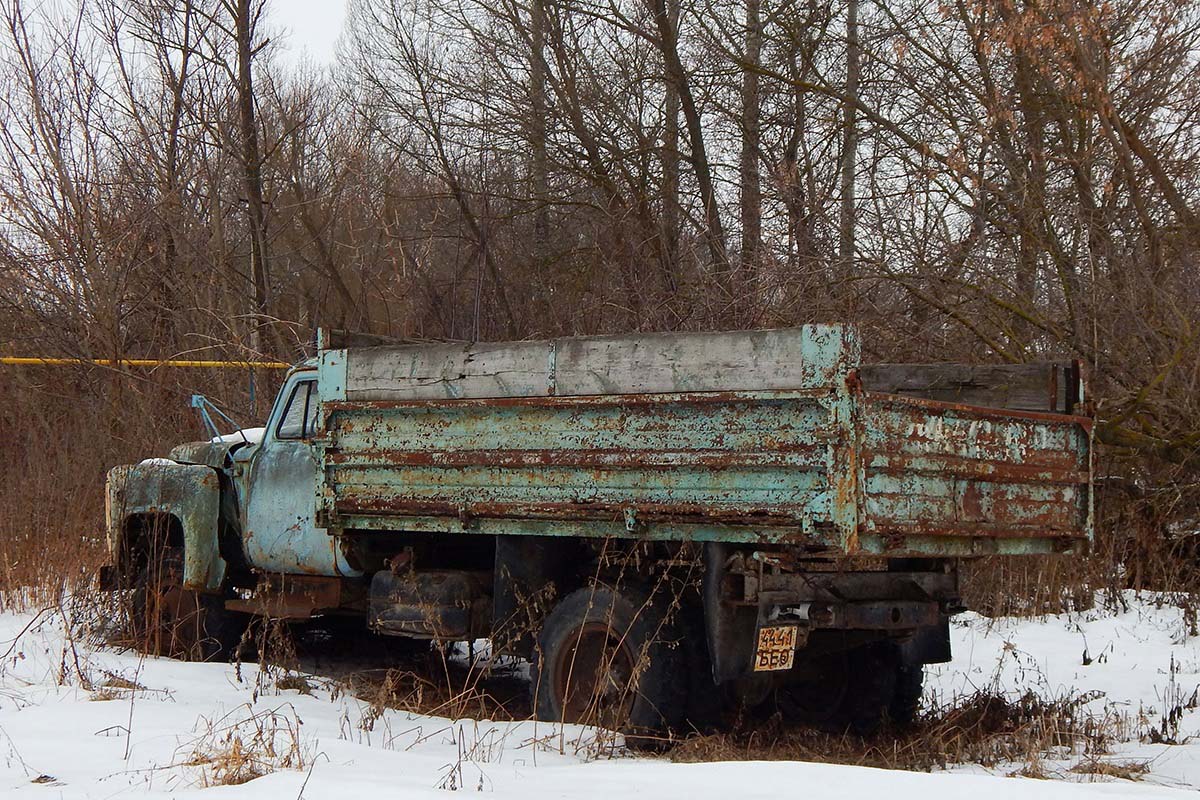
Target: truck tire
{"points": [[707, 701], [855, 692], [873, 673], [168, 620], [605, 658]]}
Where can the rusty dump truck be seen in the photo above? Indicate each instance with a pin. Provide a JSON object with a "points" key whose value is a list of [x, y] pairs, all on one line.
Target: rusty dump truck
{"points": [[659, 523]]}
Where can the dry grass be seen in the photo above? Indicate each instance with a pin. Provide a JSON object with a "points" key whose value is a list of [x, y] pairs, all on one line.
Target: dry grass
{"points": [[237, 749], [436, 685], [1124, 770], [62, 429], [987, 728], [115, 687]]}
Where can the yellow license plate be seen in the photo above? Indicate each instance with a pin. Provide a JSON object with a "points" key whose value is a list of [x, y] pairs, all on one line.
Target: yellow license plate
{"points": [[776, 648]]}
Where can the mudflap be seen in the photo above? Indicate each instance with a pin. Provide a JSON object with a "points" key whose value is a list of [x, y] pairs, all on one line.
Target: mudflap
{"points": [[928, 645], [730, 629]]}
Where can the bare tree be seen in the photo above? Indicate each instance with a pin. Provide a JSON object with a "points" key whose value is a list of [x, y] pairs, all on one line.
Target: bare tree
{"points": [[849, 142], [750, 194]]}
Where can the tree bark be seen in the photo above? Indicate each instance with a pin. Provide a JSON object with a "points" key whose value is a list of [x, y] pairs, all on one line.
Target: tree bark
{"points": [[750, 195], [539, 167], [668, 43], [670, 170], [251, 157], [849, 145]]}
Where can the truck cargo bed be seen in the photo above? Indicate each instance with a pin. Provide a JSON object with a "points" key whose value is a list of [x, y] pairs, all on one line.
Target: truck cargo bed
{"points": [[763, 436]]}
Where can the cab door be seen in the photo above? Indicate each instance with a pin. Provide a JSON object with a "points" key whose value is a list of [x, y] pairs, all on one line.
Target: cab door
{"points": [[279, 534]]}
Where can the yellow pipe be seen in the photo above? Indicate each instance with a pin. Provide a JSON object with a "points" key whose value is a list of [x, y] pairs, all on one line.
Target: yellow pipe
{"points": [[138, 362]]}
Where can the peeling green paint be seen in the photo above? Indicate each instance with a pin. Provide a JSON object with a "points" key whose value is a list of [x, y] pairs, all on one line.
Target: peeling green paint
{"points": [[188, 492]]}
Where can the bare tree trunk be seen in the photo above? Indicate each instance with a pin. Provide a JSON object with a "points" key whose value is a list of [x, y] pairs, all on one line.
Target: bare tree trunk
{"points": [[245, 18], [668, 43], [849, 145], [670, 170], [537, 131], [172, 191], [1030, 175], [750, 198]]}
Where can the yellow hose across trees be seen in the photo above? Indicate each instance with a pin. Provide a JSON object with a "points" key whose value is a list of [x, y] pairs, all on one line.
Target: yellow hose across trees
{"points": [[138, 362]]}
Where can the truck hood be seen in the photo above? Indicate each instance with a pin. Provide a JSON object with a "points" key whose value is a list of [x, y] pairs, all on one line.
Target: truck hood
{"points": [[212, 454], [215, 452]]}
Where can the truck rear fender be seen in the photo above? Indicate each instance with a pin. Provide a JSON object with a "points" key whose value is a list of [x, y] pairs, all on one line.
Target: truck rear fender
{"points": [[180, 501], [531, 574], [729, 630]]}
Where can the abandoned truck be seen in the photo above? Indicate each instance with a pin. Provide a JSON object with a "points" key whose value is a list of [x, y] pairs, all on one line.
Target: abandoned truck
{"points": [[654, 521]]}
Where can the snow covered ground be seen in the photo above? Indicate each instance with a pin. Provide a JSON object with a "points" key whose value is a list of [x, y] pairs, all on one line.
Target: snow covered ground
{"points": [[80, 722], [1134, 671]]}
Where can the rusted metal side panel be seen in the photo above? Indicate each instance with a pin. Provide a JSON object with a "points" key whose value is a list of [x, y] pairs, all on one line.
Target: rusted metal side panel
{"points": [[718, 459], [861, 473], [936, 469], [189, 493], [820, 463]]}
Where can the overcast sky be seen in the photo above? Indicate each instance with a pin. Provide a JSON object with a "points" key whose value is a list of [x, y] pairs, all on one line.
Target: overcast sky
{"points": [[312, 27]]}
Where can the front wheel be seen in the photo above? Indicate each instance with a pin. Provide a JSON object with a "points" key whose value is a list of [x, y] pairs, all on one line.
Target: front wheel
{"points": [[168, 620], [606, 658]]}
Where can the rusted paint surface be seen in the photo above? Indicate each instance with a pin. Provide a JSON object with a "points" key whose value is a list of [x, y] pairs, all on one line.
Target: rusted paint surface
{"points": [[212, 454], [190, 493], [290, 597], [869, 472], [744, 459], [575, 401], [781, 456], [945, 469], [697, 513], [277, 482]]}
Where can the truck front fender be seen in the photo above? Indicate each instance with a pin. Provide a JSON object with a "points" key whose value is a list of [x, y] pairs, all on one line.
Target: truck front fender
{"points": [[188, 496]]}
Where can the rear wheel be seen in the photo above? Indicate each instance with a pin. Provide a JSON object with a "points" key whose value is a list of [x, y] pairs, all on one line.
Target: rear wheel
{"points": [[605, 658], [817, 699], [855, 691], [169, 620]]}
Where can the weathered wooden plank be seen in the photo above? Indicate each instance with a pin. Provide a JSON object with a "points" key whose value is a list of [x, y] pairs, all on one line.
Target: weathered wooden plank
{"points": [[1023, 387], [812, 357], [764, 360], [447, 371]]}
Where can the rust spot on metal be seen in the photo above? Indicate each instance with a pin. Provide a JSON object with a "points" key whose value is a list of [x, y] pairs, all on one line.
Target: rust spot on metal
{"points": [[891, 463], [777, 455], [580, 401], [290, 596], [972, 502], [982, 412], [677, 512], [895, 528]]}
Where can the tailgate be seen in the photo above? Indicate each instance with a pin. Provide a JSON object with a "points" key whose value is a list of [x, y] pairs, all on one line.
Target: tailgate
{"points": [[948, 479]]}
